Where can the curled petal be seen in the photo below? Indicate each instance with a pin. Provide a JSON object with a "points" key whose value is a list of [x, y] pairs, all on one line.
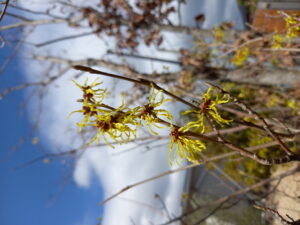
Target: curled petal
{"points": [[186, 147], [208, 108]]}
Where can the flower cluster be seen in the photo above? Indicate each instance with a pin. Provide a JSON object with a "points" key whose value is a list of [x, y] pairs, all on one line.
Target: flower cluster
{"points": [[277, 41], [121, 124], [293, 26], [149, 112], [293, 30], [116, 123], [91, 98], [186, 147]]}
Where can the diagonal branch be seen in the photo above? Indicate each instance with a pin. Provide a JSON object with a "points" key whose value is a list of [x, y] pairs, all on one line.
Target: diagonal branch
{"points": [[41, 22], [4, 9], [140, 81], [257, 117], [237, 193], [242, 151], [169, 172]]}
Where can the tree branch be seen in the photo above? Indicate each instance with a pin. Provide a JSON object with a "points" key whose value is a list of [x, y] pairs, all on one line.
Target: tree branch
{"points": [[4, 9], [237, 193]]}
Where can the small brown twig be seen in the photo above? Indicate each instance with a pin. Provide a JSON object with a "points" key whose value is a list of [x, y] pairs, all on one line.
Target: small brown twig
{"points": [[236, 194], [4, 9], [214, 158], [276, 213], [145, 57], [257, 117], [65, 38], [140, 81]]}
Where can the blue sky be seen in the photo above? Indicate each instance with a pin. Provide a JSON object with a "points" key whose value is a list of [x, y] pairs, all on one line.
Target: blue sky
{"points": [[39, 193]]}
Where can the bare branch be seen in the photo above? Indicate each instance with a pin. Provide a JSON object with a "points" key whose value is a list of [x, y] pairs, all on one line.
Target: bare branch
{"points": [[4, 9], [237, 193], [259, 118], [276, 213], [242, 151], [141, 82], [41, 22], [218, 157], [145, 57], [64, 39]]}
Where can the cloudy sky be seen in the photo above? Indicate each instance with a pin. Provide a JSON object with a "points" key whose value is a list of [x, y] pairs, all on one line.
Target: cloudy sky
{"points": [[99, 172]]}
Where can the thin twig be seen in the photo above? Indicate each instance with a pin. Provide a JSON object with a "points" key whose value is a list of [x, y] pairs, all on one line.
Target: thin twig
{"points": [[211, 213], [17, 16], [145, 57], [34, 12], [4, 9], [140, 81], [237, 193], [215, 158], [9, 59], [164, 205], [281, 49], [40, 22], [3, 41], [276, 213], [64, 39], [257, 117]]}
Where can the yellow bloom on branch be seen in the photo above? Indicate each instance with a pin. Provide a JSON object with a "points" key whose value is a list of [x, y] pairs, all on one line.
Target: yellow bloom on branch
{"points": [[293, 26], [92, 98], [277, 41], [117, 124], [218, 34], [240, 57], [112, 124], [90, 93], [208, 108], [88, 110], [149, 112], [186, 147]]}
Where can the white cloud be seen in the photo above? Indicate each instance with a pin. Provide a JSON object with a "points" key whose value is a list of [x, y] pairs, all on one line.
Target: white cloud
{"points": [[113, 171]]}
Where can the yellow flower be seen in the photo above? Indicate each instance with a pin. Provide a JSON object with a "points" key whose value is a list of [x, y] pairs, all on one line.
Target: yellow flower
{"points": [[273, 101], [277, 41], [113, 125], [89, 93], [218, 34], [294, 105], [92, 98], [120, 126], [208, 108], [117, 124], [293, 26], [150, 114], [241, 55], [186, 147], [88, 110], [291, 21]]}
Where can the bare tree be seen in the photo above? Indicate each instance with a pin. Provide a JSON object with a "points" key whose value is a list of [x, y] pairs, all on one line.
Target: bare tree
{"points": [[250, 122]]}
